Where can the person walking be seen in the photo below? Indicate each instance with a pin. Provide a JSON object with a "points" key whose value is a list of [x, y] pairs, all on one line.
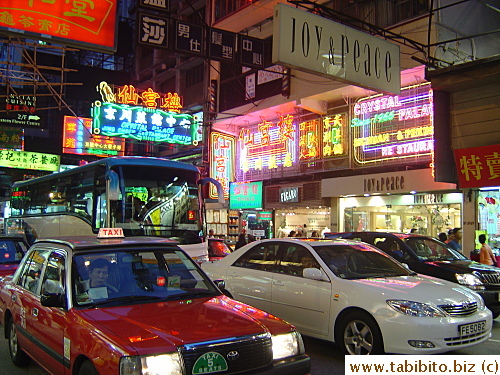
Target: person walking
{"points": [[486, 255]]}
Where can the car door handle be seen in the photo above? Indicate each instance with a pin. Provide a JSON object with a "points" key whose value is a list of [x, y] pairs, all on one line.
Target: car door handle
{"points": [[278, 282], [35, 311]]}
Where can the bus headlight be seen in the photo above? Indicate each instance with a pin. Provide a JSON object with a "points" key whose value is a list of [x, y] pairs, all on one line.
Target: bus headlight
{"points": [[287, 345], [162, 364]]}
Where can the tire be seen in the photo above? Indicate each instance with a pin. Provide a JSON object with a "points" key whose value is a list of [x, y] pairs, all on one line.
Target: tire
{"points": [[87, 368], [359, 334], [18, 357]]}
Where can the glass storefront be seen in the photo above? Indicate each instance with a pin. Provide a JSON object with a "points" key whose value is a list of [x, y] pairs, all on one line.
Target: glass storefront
{"points": [[305, 220], [428, 214], [488, 206]]}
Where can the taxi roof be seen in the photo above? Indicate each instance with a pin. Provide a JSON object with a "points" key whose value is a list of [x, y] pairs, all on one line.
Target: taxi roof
{"points": [[85, 243]]}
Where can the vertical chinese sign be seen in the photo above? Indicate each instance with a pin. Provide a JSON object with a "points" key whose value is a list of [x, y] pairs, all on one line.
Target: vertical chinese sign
{"points": [[84, 23], [478, 166], [222, 148], [387, 129]]}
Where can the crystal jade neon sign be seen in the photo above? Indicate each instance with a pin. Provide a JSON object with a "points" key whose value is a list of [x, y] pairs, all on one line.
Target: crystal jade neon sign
{"points": [[393, 127], [143, 116]]}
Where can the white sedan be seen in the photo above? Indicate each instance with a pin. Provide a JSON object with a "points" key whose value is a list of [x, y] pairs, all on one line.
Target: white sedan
{"points": [[355, 295]]}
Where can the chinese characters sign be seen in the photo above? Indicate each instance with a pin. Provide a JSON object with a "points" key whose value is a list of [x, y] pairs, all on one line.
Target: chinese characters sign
{"points": [[478, 166], [391, 128], [29, 160], [153, 30], [245, 195], [78, 139], [222, 155], [87, 23], [11, 138], [128, 94], [143, 124], [189, 38], [282, 145]]}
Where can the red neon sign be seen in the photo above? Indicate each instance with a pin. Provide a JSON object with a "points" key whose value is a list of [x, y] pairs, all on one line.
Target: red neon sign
{"points": [[77, 22]]}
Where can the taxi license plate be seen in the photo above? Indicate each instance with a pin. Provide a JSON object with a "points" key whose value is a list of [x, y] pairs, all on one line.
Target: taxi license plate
{"points": [[472, 328]]}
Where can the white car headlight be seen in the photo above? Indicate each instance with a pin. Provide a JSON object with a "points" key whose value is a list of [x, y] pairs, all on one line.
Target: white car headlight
{"points": [[415, 308], [469, 280], [287, 345], [162, 364]]}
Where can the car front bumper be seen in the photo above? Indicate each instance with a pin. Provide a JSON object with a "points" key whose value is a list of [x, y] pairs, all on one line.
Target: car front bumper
{"points": [[443, 333], [298, 365]]}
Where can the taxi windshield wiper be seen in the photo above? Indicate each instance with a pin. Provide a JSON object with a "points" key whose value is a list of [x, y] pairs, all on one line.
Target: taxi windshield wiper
{"points": [[195, 294]]}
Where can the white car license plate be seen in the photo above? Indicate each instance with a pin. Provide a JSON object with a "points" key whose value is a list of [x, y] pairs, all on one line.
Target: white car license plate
{"points": [[472, 328]]}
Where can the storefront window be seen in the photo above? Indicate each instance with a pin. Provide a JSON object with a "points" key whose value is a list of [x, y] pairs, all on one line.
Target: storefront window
{"points": [[489, 216]]}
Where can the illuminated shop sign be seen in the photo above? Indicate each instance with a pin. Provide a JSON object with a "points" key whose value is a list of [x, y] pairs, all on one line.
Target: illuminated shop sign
{"points": [[143, 116], [245, 195], [29, 160], [269, 145], [478, 166], [279, 146], [78, 139], [87, 23], [394, 127], [221, 161]]}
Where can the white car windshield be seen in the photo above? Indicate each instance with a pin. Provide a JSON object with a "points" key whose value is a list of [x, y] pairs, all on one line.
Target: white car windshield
{"points": [[359, 262], [124, 277]]}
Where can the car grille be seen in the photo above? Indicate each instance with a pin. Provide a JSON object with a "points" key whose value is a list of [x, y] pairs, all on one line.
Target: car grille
{"points": [[463, 309], [490, 278], [254, 352], [463, 340]]}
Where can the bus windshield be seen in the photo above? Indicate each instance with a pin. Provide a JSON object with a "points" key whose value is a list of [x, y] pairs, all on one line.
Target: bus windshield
{"points": [[156, 202]]}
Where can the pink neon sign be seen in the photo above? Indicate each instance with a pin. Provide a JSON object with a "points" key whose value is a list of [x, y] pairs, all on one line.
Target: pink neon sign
{"points": [[388, 128], [221, 161]]}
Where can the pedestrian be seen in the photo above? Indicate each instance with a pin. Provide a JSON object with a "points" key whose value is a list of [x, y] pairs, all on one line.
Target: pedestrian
{"points": [[486, 255], [211, 233], [314, 233], [242, 241], [291, 234], [455, 242], [443, 237], [413, 230]]}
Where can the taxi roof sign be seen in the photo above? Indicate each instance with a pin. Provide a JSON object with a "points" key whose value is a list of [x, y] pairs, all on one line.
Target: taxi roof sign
{"points": [[110, 233]]}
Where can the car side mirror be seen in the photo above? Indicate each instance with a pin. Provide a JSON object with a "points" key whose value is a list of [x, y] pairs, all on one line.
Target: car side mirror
{"points": [[314, 274], [221, 284], [53, 300]]}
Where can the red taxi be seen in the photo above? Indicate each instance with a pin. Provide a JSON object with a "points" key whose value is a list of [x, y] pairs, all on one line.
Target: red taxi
{"points": [[87, 305]]}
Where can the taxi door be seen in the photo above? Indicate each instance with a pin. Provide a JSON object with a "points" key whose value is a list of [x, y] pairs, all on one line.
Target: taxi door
{"points": [[251, 275], [303, 302], [47, 324]]}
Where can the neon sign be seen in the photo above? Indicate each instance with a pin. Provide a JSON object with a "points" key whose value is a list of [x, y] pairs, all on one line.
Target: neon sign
{"points": [[388, 128], [268, 145], [78, 139], [221, 161], [244, 195], [308, 140], [128, 94], [29, 160], [143, 124], [333, 144]]}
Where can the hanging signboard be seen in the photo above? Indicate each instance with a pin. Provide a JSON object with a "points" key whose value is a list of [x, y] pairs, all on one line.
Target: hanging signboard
{"points": [[309, 42], [89, 24], [478, 166]]}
